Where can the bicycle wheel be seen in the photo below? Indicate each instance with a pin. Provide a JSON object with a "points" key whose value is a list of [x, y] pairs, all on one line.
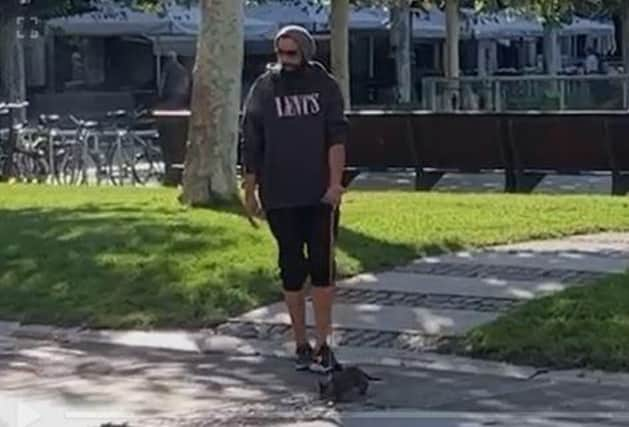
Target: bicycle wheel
{"points": [[29, 167], [70, 165], [3, 158], [148, 166], [96, 158], [120, 165]]}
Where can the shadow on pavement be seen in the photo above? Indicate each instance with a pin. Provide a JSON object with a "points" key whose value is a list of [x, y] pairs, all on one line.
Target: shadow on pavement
{"points": [[141, 382]]}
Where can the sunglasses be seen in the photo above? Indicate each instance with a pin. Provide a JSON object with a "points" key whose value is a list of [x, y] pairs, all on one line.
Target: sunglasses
{"points": [[289, 53]]}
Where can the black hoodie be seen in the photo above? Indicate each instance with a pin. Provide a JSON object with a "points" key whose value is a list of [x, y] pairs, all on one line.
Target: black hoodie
{"points": [[291, 119]]}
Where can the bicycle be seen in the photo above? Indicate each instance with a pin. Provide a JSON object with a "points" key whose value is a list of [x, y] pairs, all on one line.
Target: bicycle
{"points": [[29, 158], [9, 137], [4, 134], [130, 158], [85, 154]]}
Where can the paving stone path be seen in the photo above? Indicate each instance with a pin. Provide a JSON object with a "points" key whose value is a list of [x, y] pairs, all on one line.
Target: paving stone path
{"points": [[414, 306]]}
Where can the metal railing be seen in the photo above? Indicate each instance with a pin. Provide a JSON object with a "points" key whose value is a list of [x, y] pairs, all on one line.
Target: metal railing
{"points": [[526, 92]]}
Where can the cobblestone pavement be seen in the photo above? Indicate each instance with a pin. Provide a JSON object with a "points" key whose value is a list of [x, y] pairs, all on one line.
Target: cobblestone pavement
{"points": [[503, 272]]}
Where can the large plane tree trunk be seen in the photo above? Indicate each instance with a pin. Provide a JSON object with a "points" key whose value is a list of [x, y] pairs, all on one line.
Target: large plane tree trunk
{"points": [[210, 165]]}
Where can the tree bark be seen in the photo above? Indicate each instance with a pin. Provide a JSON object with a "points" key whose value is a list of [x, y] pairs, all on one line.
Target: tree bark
{"points": [[401, 44], [339, 41], [210, 165], [625, 35], [452, 39], [551, 50], [12, 78]]}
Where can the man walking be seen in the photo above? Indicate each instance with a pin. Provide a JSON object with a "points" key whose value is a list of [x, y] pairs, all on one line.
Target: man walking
{"points": [[174, 91], [174, 87], [294, 131]]}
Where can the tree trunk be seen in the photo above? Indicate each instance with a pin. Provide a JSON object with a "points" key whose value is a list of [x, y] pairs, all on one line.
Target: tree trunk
{"points": [[451, 58], [625, 36], [401, 44], [12, 78], [551, 50], [452, 39], [339, 46], [210, 165], [617, 19]]}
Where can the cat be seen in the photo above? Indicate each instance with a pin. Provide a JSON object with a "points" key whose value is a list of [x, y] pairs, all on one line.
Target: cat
{"points": [[341, 384]]}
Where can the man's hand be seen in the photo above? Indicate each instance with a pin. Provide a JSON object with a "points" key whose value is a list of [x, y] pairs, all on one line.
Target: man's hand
{"points": [[252, 204], [333, 195]]}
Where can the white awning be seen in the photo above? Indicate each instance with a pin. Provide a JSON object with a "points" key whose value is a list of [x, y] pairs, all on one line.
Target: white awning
{"points": [[263, 20], [111, 20], [185, 21], [308, 16], [426, 24], [116, 20], [429, 25], [505, 24], [509, 24], [360, 18], [588, 26]]}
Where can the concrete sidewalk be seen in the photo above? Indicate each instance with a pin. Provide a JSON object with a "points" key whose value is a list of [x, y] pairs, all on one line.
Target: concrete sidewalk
{"points": [[48, 384]]}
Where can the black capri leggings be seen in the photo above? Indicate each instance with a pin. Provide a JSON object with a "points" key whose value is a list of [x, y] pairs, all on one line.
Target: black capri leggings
{"points": [[306, 238]]}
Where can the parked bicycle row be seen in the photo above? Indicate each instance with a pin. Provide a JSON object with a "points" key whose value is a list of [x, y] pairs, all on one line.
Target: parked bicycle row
{"points": [[120, 148]]}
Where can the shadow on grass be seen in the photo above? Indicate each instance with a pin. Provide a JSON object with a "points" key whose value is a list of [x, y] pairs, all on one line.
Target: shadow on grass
{"points": [[117, 266], [375, 255], [120, 265]]}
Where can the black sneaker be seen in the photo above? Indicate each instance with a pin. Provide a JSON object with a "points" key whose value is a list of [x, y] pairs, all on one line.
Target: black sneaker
{"points": [[304, 357], [324, 361]]}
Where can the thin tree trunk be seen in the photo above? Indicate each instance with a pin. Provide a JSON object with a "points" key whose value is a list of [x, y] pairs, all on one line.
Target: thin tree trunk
{"points": [[12, 78], [625, 35], [210, 165], [339, 19], [617, 19], [551, 50], [451, 58], [452, 39], [401, 44]]}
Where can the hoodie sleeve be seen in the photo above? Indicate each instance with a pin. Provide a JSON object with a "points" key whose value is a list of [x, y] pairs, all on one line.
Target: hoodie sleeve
{"points": [[253, 129], [336, 122]]}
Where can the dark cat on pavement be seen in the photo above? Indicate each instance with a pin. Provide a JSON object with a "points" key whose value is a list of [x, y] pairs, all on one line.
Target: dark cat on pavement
{"points": [[341, 385]]}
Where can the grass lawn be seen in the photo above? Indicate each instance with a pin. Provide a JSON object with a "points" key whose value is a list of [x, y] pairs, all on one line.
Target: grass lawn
{"points": [[584, 327], [126, 257]]}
